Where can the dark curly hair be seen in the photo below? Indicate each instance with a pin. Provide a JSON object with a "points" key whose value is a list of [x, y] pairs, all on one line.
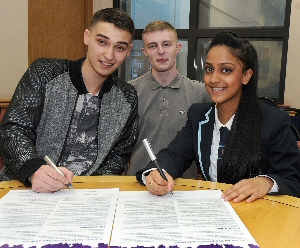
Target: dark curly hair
{"points": [[243, 153]]}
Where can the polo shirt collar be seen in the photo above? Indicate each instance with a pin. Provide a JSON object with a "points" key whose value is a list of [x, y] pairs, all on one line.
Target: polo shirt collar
{"points": [[175, 84]]}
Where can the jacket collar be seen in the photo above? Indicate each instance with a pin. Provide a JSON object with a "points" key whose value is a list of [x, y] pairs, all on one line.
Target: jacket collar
{"points": [[205, 134], [77, 79]]}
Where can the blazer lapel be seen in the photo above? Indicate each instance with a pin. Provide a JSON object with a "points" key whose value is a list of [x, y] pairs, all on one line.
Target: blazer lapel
{"points": [[205, 134]]}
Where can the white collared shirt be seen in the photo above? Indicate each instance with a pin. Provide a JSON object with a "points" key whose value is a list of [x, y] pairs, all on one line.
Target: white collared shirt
{"points": [[215, 144]]}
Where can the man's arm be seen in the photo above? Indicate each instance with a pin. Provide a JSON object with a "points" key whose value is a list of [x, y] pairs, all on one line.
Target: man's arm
{"points": [[17, 131], [18, 127]]}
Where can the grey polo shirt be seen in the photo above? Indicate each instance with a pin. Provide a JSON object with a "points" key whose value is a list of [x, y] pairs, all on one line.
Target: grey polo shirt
{"points": [[162, 112]]}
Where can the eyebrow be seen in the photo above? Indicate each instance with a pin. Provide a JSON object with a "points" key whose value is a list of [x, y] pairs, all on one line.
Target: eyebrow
{"points": [[155, 42], [151, 43], [224, 63], [106, 37]]}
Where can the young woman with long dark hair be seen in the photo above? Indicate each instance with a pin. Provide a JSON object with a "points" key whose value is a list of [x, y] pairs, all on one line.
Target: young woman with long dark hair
{"points": [[260, 155]]}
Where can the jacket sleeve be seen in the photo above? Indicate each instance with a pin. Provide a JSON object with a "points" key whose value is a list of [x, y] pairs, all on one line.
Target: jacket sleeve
{"points": [[180, 153], [119, 156], [18, 127], [283, 155]]}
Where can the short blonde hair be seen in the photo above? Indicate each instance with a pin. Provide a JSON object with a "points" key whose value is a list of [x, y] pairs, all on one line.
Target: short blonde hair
{"points": [[159, 25]]}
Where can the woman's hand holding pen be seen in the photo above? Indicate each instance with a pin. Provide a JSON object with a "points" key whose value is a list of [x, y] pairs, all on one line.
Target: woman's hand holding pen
{"points": [[156, 185], [46, 179]]}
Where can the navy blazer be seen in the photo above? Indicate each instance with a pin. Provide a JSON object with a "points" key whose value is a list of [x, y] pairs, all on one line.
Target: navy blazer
{"points": [[280, 151]]}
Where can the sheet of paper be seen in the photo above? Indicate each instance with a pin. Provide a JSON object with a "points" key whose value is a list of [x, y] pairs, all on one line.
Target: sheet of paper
{"points": [[81, 216], [184, 219]]}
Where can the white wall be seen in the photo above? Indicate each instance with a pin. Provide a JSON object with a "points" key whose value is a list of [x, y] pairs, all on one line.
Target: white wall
{"points": [[292, 84], [13, 44], [101, 4]]}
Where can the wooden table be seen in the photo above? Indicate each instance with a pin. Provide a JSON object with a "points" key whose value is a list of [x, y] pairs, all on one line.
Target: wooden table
{"points": [[273, 221]]}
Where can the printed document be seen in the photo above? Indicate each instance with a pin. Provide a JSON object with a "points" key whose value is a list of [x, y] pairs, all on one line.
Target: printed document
{"points": [[69, 216], [184, 219], [109, 217]]}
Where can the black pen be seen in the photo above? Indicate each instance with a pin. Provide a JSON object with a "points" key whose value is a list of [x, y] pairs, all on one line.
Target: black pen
{"points": [[153, 159], [49, 162]]}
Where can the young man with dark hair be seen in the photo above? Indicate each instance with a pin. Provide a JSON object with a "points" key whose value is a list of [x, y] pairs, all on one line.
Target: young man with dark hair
{"points": [[75, 112]]}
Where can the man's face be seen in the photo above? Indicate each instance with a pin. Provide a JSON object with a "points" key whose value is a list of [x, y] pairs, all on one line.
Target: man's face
{"points": [[108, 47], [161, 47]]}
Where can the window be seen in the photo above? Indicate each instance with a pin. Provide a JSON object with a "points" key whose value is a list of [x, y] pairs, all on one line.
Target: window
{"points": [[265, 23]]}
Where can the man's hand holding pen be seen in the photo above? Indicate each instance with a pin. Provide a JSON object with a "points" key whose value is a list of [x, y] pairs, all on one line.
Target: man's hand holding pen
{"points": [[156, 185], [46, 179]]}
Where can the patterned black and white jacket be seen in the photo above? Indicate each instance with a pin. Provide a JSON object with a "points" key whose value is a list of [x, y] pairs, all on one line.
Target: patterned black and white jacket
{"points": [[38, 118]]}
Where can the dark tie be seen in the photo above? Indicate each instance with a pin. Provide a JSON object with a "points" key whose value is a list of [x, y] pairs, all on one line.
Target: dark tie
{"points": [[223, 139]]}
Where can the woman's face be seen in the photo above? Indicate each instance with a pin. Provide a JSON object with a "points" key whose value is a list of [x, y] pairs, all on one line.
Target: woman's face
{"points": [[224, 76]]}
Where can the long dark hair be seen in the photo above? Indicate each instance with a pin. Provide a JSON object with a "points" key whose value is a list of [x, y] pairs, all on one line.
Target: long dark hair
{"points": [[243, 153]]}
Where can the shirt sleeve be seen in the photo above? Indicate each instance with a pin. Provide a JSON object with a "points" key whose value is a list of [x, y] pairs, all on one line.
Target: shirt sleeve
{"points": [[275, 187]]}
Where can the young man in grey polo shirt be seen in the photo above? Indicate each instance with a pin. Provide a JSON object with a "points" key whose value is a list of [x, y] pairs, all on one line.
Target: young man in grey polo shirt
{"points": [[164, 95]]}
